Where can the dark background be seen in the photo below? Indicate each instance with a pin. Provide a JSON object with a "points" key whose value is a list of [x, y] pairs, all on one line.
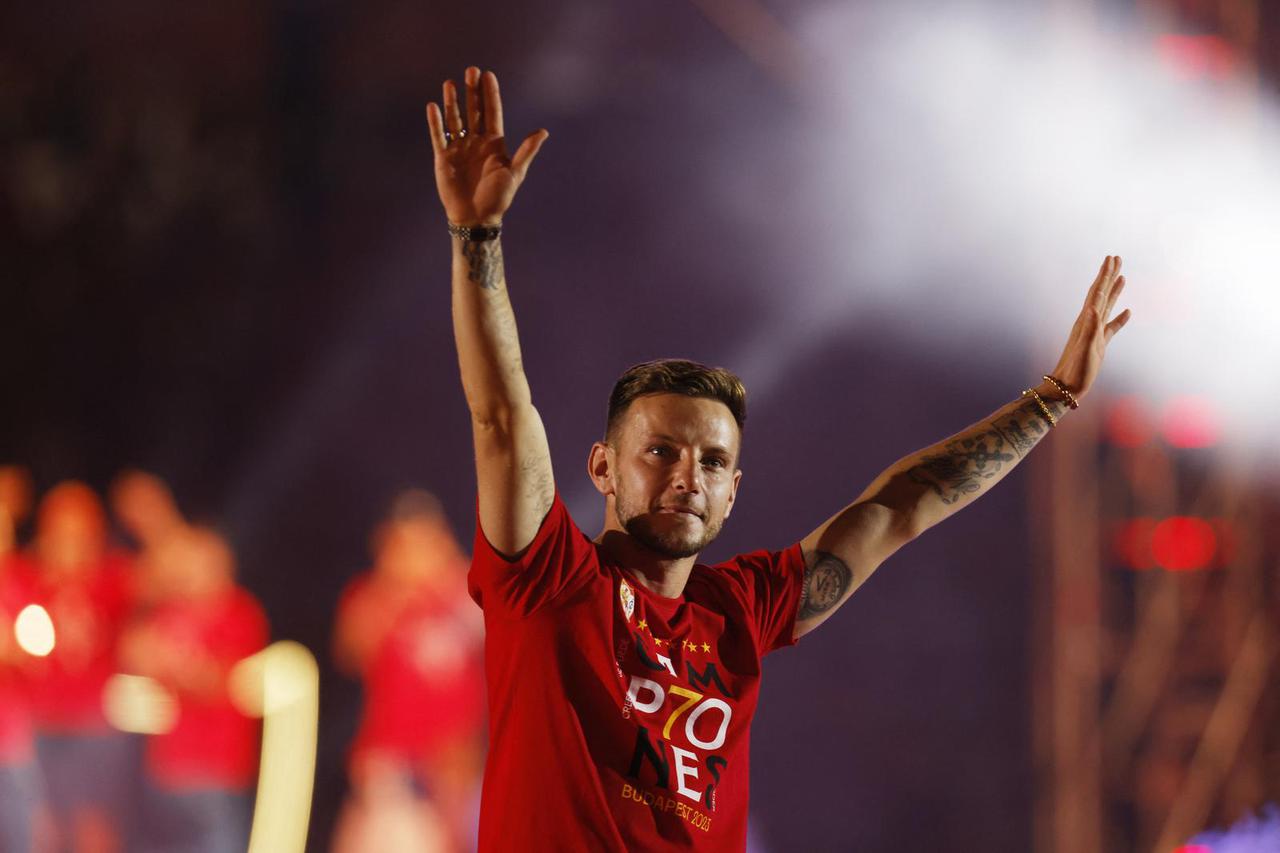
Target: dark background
{"points": [[224, 262]]}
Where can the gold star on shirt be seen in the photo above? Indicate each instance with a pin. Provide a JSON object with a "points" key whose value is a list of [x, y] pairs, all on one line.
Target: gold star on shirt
{"points": [[642, 625], [706, 647], [659, 641], [693, 647]]}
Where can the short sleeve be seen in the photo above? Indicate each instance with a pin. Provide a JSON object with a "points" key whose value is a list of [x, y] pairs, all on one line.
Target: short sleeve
{"points": [[558, 560], [768, 583]]}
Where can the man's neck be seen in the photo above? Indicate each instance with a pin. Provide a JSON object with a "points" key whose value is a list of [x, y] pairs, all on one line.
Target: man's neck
{"points": [[665, 577]]}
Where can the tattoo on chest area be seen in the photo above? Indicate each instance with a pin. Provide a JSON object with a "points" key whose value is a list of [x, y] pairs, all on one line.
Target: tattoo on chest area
{"points": [[826, 580]]}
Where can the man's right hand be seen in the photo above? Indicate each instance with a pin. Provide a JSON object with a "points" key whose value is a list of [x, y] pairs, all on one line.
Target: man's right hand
{"points": [[476, 179]]}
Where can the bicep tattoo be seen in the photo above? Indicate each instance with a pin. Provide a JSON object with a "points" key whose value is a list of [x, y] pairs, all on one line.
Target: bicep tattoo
{"points": [[826, 580]]}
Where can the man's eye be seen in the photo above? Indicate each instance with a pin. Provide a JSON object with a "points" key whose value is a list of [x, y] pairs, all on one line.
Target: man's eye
{"points": [[658, 450], [713, 462]]}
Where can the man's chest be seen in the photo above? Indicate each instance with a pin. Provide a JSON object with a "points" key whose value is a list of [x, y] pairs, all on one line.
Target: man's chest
{"points": [[681, 683]]}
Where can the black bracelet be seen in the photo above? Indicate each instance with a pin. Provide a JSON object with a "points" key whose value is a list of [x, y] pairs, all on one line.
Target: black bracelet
{"points": [[476, 233]]}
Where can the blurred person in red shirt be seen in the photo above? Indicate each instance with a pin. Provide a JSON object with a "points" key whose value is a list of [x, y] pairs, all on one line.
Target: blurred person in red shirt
{"points": [[87, 592], [145, 508], [200, 772], [20, 786], [408, 629]]}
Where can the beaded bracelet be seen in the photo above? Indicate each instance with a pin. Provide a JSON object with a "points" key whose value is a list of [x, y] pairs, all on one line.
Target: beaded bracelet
{"points": [[1044, 410], [1062, 389]]}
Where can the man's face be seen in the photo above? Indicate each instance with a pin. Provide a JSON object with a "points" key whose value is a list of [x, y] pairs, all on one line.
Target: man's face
{"points": [[673, 471]]}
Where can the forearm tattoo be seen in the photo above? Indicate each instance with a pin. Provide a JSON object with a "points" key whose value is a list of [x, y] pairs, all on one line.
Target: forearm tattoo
{"points": [[484, 262], [826, 580], [982, 454]]}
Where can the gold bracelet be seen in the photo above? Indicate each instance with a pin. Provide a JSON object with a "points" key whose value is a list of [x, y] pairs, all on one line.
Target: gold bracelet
{"points": [[1062, 389], [1044, 410]]}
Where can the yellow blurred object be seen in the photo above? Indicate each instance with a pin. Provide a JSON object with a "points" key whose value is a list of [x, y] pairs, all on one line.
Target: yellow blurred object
{"points": [[33, 629], [281, 684], [137, 704]]}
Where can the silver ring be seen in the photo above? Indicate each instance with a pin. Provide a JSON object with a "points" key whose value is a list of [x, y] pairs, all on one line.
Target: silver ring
{"points": [[448, 137], [462, 134]]}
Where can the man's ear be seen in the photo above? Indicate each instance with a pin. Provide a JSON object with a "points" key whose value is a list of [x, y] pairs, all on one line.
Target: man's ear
{"points": [[600, 467], [733, 492]]}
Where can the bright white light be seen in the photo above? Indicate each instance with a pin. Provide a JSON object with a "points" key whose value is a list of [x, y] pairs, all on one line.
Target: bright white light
{"points": [[968, 170], [33, 629]]}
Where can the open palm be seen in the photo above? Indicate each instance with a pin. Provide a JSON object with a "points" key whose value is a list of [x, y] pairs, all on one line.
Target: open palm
{"points": [[475, 177], [1087, 344]]}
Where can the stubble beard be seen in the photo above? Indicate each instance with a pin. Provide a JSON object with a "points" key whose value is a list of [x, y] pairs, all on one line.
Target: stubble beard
{"points": [[669, 545]]}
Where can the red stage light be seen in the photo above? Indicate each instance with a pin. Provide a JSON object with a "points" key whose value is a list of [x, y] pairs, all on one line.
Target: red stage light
{"points": [[1183, 543], [1228, 542], [1133, 543], [1198, 56], [1191, 422], [1128, 422]]}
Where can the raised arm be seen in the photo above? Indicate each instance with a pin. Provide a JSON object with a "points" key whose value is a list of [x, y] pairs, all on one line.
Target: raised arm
{"points": [[920, 490], [477, 182]]}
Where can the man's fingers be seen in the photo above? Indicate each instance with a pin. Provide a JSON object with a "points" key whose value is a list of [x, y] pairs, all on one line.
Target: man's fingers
{"points": [[526, 152], [474, 109], [1116, 325], [452, 118], [492, 104], [1112, 276], [435, 126], [1091, 298], [1116, 289]]}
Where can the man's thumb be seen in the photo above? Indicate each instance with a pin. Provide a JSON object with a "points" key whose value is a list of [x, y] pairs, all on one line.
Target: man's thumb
{"points": [[527, 151]]}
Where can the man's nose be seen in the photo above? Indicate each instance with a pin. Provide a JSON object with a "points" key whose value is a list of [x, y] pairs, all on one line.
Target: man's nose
{"points": [[687, 475]]}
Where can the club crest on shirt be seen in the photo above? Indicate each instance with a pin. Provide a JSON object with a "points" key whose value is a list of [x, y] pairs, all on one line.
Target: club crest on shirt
{"points": [[628, 599]]}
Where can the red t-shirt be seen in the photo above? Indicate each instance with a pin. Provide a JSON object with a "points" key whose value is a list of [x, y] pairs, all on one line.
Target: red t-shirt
{"points": [[17, 590], [88, 613], [620, 720], [212, 745], [423, 684]]}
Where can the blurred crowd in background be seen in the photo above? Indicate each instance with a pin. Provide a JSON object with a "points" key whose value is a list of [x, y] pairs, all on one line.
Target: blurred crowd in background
{"points": [[121, 624]]}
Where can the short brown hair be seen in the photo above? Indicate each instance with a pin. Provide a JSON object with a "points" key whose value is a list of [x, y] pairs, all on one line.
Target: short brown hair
{"points": [[677, 376]]}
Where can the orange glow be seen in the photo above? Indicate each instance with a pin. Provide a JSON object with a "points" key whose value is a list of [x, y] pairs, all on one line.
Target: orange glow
{"points": [[134, 703], [1183, 543], [33, 629]]}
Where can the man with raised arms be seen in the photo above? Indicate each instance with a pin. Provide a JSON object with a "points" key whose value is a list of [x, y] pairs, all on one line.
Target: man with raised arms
{"points": [[622, 675]]}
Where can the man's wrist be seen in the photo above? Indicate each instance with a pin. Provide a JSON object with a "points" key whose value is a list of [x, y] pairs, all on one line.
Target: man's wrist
{"points": [[476, 233], [1047, 394]]}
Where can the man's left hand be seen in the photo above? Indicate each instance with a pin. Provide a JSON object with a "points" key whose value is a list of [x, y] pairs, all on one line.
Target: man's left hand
{"points": [[1082, 358]]}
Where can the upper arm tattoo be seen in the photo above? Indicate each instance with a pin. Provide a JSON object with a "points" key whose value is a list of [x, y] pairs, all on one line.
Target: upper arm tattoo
{"points": [[484, 262], [826, 580], [538, 481]]}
